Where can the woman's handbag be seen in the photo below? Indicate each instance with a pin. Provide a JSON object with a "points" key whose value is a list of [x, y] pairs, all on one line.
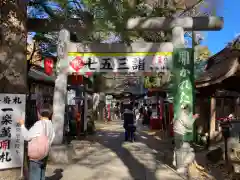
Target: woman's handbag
{"points": [[38, 147]]}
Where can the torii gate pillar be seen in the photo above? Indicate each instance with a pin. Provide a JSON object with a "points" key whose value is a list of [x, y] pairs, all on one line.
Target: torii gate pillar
{"points": [[60, 90]]}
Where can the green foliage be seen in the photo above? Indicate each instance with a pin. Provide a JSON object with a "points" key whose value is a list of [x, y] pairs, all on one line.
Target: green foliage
{"points": [[45, 41], [110, 17], [113, 15], [202, 53], [235, 43], [199, 68]]}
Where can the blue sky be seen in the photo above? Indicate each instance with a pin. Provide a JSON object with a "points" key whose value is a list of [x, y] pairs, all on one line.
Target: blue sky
{"points": [[216, 41]]}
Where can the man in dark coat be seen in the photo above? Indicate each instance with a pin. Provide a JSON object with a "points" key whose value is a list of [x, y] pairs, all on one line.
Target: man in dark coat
{"points": [[129, 123]]}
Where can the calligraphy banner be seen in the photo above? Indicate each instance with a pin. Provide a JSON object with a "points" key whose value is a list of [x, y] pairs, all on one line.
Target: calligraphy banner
{"points": [[118, 62], [183, 81], [12, 108]]}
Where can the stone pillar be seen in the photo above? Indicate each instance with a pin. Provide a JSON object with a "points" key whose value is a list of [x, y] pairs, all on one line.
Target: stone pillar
{"points": [[60, 90], [178, 37]]}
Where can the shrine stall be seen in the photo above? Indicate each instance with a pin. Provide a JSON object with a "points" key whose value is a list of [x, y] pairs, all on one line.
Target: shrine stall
{"points": [[41, 90]]}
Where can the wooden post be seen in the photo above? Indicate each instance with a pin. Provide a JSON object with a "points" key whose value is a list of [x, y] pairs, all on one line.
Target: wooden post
{"points": [[212, 116]]}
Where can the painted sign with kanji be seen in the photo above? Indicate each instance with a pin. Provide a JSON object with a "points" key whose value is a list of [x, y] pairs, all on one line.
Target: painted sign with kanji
{"points": [[12, 109], [83, 63], [77, 63], [183, 79]]}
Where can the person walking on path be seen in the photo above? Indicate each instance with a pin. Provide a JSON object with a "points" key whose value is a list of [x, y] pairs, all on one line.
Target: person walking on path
{"points": [[78, 124], [137, 115], [40, 137], [129, 123]]}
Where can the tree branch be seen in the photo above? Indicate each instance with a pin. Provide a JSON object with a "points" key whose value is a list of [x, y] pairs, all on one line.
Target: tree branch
{"points": [[48, 10], [191, 7]]}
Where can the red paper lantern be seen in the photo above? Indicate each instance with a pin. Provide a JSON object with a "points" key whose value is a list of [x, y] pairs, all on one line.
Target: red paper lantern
{"points": [[48, 66], [76, 79]]}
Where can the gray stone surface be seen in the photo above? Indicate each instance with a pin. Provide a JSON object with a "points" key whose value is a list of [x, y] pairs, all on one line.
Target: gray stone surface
{"points": [[10, 174], [61, 154], [107, 157]]}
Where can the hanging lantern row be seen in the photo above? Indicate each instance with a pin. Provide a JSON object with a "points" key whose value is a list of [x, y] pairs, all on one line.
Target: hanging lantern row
{"points": [[77, 79], [48, 67]]}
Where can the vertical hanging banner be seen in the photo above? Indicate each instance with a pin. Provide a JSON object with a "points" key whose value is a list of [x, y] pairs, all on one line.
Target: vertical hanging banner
{"points": [[12, 109], [183, 70]]}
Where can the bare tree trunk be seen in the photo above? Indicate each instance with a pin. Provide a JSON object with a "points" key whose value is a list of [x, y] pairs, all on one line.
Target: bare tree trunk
{"points": [[13, 63]]}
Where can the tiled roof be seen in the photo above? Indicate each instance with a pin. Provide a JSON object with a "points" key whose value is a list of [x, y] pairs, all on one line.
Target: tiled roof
{"points": [[220, 66]]}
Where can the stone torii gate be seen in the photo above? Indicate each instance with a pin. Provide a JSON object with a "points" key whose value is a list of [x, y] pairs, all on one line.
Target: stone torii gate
{"points": [[176, 25], [69, 51]]}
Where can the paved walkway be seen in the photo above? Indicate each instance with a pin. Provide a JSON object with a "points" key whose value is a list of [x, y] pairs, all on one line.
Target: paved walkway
{"points": [[107, 157]]}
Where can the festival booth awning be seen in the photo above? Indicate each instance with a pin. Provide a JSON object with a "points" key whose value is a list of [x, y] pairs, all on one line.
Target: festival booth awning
{"points": [[221, 72], [38, 75]]}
